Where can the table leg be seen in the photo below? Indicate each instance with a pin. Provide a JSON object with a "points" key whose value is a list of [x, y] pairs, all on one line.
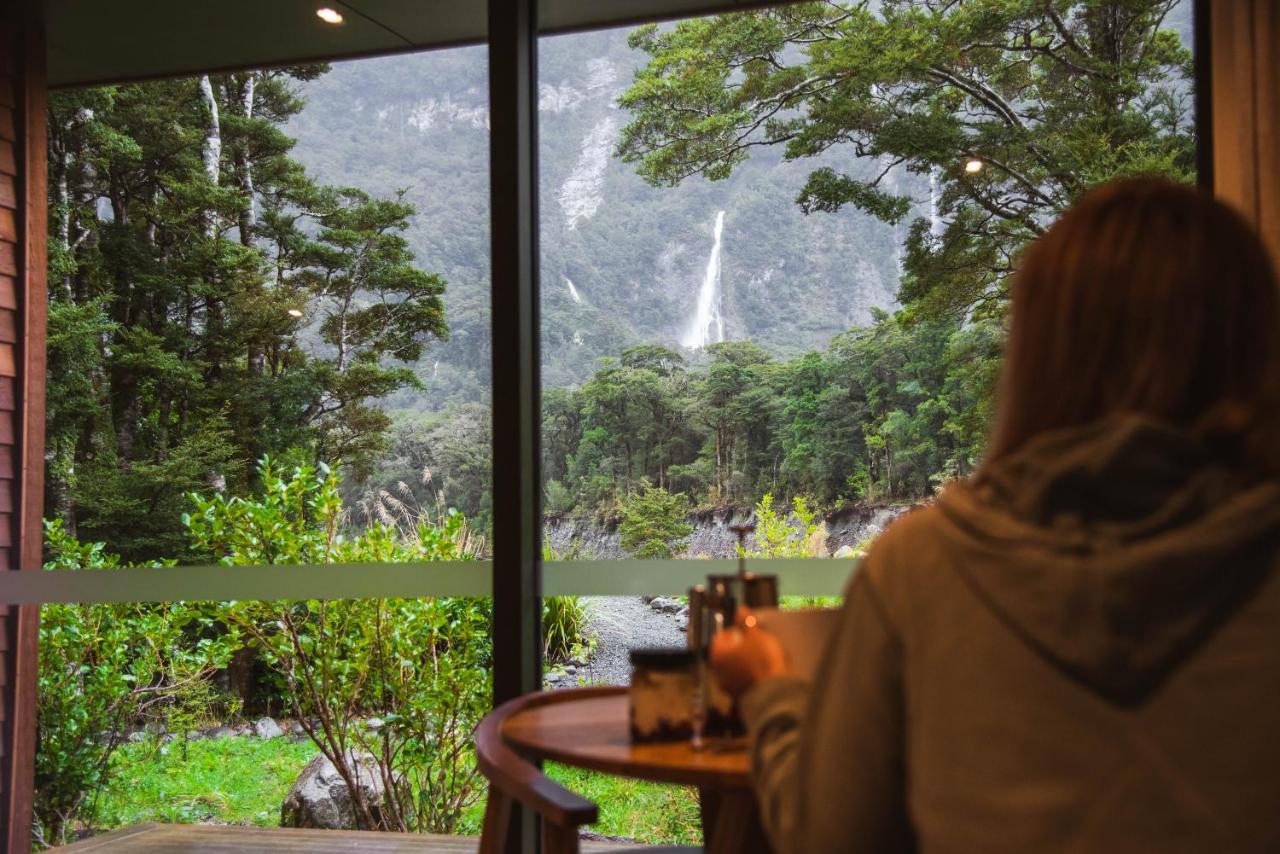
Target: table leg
{"points": [[731, 823]]}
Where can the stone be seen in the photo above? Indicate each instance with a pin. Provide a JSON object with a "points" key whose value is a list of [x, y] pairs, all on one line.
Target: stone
{"points": [[220, 732], [267, 728], [375, 723], [194, 735], [845, 552], [297, 729], [320, 798], [570, 670], [664, 605], [136, 737]]}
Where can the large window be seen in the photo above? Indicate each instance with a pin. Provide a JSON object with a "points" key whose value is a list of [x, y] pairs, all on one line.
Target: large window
{"points": [[269, 372], [776, 248]]}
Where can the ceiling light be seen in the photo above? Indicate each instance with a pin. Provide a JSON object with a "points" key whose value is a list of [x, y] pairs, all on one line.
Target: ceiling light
{"points": [[329, 16], [295, 312], [973, 166]]}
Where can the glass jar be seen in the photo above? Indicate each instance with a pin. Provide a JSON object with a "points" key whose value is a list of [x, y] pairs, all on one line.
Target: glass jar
{"points": [[664, 690]]}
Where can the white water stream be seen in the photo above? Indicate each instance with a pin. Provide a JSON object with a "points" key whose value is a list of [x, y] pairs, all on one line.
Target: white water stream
{"points": [[708, 318], [573, 292]]}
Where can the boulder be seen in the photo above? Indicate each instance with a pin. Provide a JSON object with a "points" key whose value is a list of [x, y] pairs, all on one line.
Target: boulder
{"points": [[267, 728], [845, 552], [320, 797], [220, 732], [664, 605]]}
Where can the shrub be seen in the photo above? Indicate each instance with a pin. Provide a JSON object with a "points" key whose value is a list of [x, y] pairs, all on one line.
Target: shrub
{"points": [[420, 665], [654, 522], [102, 669], [797, 534]]}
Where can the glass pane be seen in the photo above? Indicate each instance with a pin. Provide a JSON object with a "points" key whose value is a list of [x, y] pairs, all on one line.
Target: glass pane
{"points": [[253, 713], [268, 344], [775, 254], [775, 271]]}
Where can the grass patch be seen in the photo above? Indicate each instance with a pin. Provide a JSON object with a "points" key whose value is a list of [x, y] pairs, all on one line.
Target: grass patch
{"points": [[242, 781], [647, 812], [230, 781]]}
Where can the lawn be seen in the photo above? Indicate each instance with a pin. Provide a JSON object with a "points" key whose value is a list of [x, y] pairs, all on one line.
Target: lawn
{"points": [[244, 780]]}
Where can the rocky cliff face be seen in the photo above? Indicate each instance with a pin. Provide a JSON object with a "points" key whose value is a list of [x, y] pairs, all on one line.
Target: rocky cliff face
{"points": [[588, 538], [636, 255]]}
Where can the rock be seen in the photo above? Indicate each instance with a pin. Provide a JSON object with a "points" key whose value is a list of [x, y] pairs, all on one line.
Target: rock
{"points": [[646, 599], [136, 737], [664, 605], [845, 552], [194, 735], [682, 623], [220, 732], [320, 797], [570, 670], [375, 723], [242, 729], [297, 729], [267, 728]]}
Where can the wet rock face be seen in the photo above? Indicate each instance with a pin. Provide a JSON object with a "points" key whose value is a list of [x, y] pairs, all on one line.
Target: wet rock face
{"points": [[321, 799], [711, 537]]}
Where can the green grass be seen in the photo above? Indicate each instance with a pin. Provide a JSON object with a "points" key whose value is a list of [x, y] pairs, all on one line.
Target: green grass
{"points": [[647, 812], [243, 781], [231, 781]]}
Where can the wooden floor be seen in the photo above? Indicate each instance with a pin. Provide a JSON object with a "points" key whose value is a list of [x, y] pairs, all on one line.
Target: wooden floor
{"points": [[209, 839]]}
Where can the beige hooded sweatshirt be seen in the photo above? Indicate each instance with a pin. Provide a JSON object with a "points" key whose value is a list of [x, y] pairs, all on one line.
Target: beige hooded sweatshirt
{"points": [[1080, 655]]}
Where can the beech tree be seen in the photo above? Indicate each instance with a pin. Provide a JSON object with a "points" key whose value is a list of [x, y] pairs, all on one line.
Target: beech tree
{"points": [[210, 304], [1050, 97]]}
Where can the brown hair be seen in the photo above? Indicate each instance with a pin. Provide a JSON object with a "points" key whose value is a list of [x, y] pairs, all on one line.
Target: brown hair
{"points": [[1146, 297]]}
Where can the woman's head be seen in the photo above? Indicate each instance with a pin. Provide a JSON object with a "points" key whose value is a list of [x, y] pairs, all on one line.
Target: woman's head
{"points": [[1146, 297]]}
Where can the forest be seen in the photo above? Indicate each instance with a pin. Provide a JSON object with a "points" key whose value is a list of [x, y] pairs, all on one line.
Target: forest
{"points": [[268, 335]]}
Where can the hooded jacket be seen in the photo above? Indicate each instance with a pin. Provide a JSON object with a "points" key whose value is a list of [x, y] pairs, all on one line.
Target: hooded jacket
{"points": [[1080, 653]]}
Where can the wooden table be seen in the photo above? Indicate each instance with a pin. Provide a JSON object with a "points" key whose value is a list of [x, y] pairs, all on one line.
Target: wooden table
{"points": [[589, 728]]}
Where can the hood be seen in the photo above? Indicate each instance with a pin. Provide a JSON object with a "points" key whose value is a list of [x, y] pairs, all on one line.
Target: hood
{"points": [[1114, 550]]}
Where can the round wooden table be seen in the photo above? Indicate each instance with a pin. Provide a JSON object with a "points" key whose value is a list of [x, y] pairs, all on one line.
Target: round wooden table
{"points": [[589, 728]]}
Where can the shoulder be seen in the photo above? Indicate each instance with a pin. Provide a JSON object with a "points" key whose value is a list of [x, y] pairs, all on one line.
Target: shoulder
{"points": [[905, 560]]}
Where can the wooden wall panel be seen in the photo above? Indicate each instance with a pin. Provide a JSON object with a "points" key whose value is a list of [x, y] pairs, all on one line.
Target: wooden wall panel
{"points": [[23, 249]]}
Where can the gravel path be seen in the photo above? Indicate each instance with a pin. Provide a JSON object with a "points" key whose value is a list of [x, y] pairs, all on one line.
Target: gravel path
{"points": [[620, 624]]}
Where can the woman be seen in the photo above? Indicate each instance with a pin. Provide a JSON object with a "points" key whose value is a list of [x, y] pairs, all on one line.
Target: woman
{"points": [[1078, 649]]}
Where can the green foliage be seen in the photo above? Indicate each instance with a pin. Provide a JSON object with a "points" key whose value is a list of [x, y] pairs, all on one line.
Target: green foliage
{"points": [[797, 534], [421, 665], [1052, 98], [654, 522], [103, 669], [226, 308], [888, 412], [564, 622]]}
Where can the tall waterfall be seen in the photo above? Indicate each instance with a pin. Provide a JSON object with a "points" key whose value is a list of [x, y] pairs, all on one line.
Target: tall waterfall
{"points": [[573, 292], [708, 319], [935, 219]]}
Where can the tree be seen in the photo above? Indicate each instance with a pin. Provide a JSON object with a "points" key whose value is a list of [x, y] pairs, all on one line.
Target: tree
{"points": [[211, 304], [1048, 97], [653, 522]]}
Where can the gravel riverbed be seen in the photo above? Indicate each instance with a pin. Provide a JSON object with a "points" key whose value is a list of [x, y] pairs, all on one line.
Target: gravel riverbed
{"points": [[621, 624]]}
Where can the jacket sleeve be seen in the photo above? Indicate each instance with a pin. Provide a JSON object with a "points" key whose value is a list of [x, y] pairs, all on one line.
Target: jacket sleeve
{"points": [[828, 759]]}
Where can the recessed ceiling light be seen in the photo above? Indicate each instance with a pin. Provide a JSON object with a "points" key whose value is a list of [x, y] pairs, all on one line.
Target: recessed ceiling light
{"points": [[293, 312], [973, 166], [329, 16]]}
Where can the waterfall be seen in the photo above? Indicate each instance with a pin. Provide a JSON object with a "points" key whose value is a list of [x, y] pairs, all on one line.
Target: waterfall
{"points": [[708, 321], [573, 292], [935, 219]]}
